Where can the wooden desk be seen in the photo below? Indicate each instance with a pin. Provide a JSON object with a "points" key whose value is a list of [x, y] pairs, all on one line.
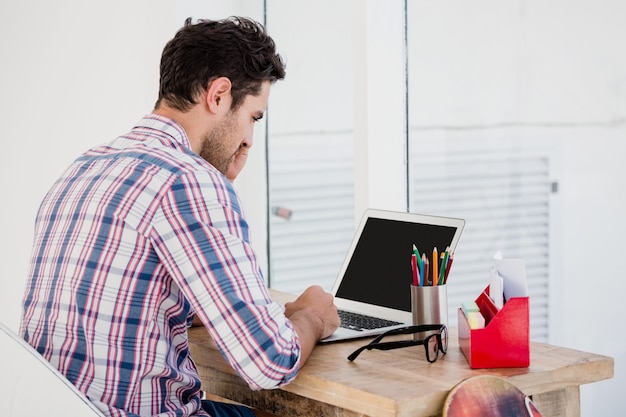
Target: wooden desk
{"points": [[399, 382]]}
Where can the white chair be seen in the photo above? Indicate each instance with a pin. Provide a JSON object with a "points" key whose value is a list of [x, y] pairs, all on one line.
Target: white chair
{"points": [[30, 385]]}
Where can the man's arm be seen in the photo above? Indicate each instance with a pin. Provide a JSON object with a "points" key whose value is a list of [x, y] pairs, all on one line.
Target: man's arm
{"points": [[204, 244], [314, 317]]}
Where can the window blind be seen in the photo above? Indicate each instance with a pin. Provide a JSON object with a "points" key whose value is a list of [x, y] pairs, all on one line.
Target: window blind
{"points": [[311, 184], [503, 195]]}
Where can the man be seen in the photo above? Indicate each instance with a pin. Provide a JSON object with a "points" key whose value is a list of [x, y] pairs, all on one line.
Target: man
{"points": [[142, 236]]}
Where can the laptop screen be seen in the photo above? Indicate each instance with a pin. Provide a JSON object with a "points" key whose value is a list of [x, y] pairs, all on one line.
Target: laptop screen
{"points": [[379, 270]]}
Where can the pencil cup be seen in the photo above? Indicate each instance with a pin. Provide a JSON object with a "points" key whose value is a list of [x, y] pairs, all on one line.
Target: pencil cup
{"points": [[429, 304]]}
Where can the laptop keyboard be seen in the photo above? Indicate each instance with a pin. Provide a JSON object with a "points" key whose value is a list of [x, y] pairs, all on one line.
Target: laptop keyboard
{"points": [[361, 322]]}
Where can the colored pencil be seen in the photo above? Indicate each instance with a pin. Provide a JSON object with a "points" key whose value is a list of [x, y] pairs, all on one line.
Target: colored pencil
{"points": [[435, 266], [416, 280], [450, 260]]}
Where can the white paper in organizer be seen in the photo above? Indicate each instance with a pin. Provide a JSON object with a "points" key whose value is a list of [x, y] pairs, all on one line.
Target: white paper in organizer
{"points": [[513, 276]]}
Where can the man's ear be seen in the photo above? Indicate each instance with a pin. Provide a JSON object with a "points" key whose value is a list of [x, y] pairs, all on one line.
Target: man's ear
{"points": [[218, 96]]}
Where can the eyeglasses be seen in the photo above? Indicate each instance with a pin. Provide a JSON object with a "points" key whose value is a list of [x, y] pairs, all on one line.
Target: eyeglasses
{"points": [[433, 343]]}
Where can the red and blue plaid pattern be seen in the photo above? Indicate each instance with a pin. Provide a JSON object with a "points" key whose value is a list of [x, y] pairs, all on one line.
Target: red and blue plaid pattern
{"points": [[135, 238]]}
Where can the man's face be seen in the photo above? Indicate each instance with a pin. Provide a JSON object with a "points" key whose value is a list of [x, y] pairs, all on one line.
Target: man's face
{"points": [[228, 142]]}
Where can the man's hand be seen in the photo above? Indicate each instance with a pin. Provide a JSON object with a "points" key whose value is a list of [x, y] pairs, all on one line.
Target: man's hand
{"points": [[314, 317], [237, 163]]}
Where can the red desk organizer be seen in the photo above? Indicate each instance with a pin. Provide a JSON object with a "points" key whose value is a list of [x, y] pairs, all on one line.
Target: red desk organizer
{"points": [[504, 341]]}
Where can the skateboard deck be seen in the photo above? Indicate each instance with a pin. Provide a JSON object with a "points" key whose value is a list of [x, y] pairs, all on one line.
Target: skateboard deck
{"points": [[488, 396]]}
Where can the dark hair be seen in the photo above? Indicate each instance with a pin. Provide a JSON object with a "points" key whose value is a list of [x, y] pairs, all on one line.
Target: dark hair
{"points": [[237, 48]]}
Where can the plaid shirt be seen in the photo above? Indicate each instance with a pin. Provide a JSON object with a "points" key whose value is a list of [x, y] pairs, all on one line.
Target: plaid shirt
{"points": [[133, 240]]}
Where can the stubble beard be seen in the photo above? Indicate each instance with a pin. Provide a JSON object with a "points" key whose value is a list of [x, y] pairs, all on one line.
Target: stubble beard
{"points": [[214, 149]]}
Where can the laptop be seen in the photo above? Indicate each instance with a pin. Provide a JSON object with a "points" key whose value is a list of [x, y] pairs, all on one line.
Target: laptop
{"points": [[374, 280]]}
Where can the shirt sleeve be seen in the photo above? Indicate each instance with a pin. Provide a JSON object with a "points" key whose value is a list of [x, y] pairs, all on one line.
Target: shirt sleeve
{"points": [[202, 238]]}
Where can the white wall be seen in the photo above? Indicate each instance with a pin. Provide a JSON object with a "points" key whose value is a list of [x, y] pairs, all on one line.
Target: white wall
{"points": [[592, 286], [75, 73]]}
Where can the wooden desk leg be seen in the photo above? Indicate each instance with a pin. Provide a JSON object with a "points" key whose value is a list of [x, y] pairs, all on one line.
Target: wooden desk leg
{"points": [[562, 403]]}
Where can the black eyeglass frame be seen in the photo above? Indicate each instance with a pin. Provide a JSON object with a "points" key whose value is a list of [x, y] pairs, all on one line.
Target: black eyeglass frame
{"points": [[377, 344]]}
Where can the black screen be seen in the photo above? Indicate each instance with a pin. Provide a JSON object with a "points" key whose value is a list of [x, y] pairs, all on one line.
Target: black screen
{"points": [[379, 271]]}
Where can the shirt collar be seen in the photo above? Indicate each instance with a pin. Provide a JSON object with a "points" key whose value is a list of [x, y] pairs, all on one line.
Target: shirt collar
{"points": [[165, 125]]}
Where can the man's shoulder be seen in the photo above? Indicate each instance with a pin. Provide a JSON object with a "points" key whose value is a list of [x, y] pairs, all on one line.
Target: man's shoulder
{"points": [[147, 154]]}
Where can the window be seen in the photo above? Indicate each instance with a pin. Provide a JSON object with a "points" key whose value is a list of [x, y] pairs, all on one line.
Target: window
{"points": [[310, 144], [464, 160], [371, 115]]}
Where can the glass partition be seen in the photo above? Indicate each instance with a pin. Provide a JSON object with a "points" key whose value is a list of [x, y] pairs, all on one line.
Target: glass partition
{"points": [[475, 150], [310, 144]]}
